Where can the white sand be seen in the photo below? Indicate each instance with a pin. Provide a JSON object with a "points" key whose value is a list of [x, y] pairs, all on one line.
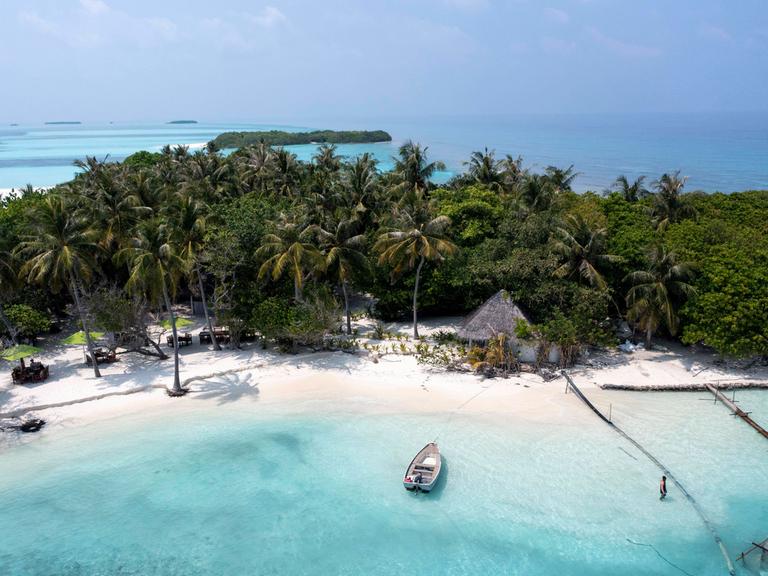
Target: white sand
{"points": [[395, 383]]}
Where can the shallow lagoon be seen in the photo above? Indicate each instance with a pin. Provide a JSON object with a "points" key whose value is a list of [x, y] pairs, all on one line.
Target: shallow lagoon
{"points": [[316, 490]]}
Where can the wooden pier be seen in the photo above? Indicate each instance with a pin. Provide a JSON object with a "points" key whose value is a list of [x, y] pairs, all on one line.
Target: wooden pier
{"points": [[737, 411]]}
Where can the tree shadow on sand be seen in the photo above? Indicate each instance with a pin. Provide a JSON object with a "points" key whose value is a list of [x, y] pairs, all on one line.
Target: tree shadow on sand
{"points": [[227, 388]]}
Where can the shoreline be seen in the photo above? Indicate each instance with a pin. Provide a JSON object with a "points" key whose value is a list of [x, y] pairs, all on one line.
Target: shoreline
{"points": [[393, 383]]}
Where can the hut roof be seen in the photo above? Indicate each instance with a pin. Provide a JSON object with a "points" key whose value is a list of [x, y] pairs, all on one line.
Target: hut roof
{"points": [[498, 314]]}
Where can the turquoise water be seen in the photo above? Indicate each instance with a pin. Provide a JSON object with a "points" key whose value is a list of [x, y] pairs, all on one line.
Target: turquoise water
{"points": [[259, 490], [720, 152]]}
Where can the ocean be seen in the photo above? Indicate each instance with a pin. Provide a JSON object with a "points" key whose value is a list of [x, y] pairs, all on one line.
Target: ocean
{"points": [[718, 152], [231, 489]]}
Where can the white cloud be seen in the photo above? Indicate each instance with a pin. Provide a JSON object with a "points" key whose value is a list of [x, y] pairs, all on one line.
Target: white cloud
{"points": [[72, 37], [39, 23], [94, 6], [556, 15], [112, 27], [269, 17], [621, 47], [714, 32]]}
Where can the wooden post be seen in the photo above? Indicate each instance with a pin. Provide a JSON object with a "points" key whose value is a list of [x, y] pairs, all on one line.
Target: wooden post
{"points": [[737, 411]]}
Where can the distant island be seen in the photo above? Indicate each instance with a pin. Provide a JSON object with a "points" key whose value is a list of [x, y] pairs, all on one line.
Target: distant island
{"points": [[63, 122], [183, 122], [281, 138]]}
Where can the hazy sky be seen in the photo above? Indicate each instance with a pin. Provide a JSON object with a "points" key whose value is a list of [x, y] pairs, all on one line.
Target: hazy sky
{"points": [[252, 60]]}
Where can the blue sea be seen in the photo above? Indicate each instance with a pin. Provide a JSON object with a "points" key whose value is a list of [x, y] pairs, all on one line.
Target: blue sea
{"points": [[718, 152], [268, 489]]}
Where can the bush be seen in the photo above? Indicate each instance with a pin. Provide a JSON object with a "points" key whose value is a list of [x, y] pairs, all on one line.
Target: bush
{"points": [[28, 322]]}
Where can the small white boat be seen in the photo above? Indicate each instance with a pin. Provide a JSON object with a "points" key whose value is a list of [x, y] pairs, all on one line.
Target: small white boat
{"points": [[424, 469]]}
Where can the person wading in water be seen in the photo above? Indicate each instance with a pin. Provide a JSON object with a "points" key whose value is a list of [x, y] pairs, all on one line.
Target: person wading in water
{"points": [[663, 488]]}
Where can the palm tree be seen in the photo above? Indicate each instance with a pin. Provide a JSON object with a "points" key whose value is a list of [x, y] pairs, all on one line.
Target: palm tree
{"points": [[61, 250], [485, 169], [631, 192], [286, 172], [189, 221], [536, 193], [260, 165], [116, 210], [326, 158], [512, 171], [583, 249], [669, 206], [561, 179], [416, 241], [343, 257], [362, 187], [656, 293], [413, 168], [8, 282], [289, 249], [155, 265]]}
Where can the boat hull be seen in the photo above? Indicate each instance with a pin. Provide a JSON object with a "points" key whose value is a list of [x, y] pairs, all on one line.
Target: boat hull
{"points": [[426, 463]]}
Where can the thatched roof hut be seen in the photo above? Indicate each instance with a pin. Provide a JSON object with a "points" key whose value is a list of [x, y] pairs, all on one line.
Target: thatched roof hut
{"points": [[499, 314]]}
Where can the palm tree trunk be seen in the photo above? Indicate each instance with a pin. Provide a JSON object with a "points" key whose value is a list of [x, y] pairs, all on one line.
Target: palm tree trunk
{"points": [[8, 326], [177, 390], [648, 334], [216, 345], [296, 290], [84, 322], [346, 306], [415, 297]]}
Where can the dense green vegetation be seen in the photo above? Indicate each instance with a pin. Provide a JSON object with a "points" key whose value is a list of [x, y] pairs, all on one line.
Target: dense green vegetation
{"points": [[279, 246], [280, 138]]}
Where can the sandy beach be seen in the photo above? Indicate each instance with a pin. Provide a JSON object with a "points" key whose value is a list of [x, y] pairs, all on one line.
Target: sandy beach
{"points": [[72, 396]]}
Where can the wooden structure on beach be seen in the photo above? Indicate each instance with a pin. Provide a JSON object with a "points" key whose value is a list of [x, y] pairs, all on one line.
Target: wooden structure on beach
{"points": [[497, 315], [737, 411], [501, 315]]}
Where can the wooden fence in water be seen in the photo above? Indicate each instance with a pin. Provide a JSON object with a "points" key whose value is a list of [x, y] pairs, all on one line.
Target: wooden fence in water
{"points": [[664, 469]]}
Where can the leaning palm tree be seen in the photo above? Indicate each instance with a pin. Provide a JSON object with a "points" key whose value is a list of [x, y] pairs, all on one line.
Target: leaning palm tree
{"points": [[154, 267], [583, 250], [188, 216], [630, 191], [8, 282], [290, 249], [343, 257], [416, 241], [61, 251], [669, 205], [485, 169], [656, 293]]}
